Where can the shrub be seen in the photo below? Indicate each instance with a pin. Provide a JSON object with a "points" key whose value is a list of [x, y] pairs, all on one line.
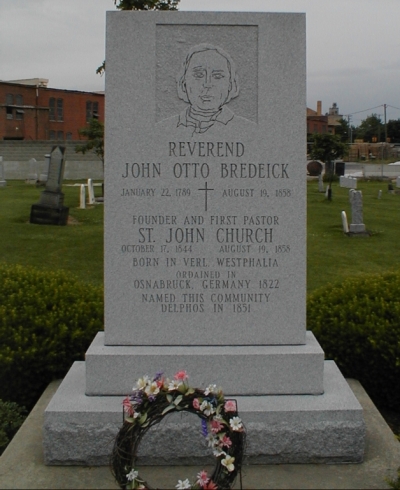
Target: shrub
{"points": [[47, 321], [11, 419], [358, 325]]}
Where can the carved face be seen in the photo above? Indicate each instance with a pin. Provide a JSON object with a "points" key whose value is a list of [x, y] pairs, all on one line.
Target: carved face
{"points": [[207, 81]]}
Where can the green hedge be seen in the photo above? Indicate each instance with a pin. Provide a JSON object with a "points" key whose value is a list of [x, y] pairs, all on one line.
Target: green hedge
{"points": [[357, 324], [47, 321], [12, 417]]}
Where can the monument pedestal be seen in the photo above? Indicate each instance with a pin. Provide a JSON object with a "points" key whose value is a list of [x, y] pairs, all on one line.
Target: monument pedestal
{"points": [[48, 215], [239, 370], [326, 428]]}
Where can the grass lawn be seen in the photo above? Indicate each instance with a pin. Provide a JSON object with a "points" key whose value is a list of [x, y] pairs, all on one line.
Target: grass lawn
{"points": [[331, 255], [78, 247]]}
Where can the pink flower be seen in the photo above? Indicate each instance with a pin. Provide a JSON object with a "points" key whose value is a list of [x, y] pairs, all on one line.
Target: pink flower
{"points": [[230, 406], [127, 406], [196, 404], [226, 441], [216, 426], [202, 478], [181, 375], [210, 486]]}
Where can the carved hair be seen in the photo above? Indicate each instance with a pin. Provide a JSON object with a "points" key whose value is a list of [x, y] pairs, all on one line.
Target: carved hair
{"points": [[233, 77]]}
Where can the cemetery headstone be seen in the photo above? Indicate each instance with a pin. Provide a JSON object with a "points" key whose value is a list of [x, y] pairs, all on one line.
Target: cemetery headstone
{"points": [[50, 210], [398, 181], [344, 222], [205, 238], [379, 193], [82, 196], [357, 225], [3, 182], [320, 184], [348, 181], [90, 191], [32, 177]]}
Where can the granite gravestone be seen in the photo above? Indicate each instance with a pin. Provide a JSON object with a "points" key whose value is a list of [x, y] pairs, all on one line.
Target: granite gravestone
{"points": [[51, 210], [356, 225], [205, 230]]}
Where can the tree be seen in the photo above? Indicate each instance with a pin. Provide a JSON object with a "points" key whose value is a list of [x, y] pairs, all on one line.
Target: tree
{"points": [[94, 133], [328, 147], [371, 129], [393, 130], [141, 5], [343, 130]]}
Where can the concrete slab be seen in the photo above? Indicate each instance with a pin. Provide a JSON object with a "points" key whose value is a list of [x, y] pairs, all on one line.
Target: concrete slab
{"points": [[382, 457], [242, 370], [22, 464], [80, 429]]}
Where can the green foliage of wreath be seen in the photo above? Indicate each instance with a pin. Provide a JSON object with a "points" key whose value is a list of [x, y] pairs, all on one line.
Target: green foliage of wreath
{"points": [[157, 397]]}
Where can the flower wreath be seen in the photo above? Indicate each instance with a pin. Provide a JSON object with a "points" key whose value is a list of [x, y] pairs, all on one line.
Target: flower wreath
{"points": [[151, 401]]}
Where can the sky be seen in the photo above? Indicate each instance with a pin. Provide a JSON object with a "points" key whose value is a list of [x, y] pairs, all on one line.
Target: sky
{"points": [[353, 46]]}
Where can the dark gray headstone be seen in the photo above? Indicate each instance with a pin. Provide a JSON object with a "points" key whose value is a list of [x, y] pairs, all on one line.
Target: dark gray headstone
{"points": [[51, 210]]}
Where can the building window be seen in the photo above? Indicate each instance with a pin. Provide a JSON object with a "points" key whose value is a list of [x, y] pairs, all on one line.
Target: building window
{"points": [[19, 100], [60, 135], [92, 110], [95, 110], [69, 136], [19, 114], [60, 110], [88, 111], [52, 110], [9, 102], [56, 109], [52, 135]]}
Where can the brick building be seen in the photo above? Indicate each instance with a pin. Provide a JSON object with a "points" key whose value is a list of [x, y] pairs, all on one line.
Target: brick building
{"points": [[29, 110], [319, 123]]}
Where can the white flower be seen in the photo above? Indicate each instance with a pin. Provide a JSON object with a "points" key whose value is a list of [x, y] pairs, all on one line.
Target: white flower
{"points": [[136, 415], [236, 423], [228, 463], [141, 383], [174, 384], [210, 389], [132, 475], [212, 440], [218, 452], [183, 484], [152, 389], [207, 408]]}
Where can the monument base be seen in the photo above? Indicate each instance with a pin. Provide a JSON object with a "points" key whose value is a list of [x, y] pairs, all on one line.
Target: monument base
{"points": [[46, 215], [328, 428], [358, 228], [242, 369], [3, 183]]}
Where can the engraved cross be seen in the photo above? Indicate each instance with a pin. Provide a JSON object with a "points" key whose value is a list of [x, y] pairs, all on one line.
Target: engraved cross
{"points": [[206, 190]]}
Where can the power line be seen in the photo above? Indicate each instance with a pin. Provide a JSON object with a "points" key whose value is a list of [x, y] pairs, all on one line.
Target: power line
{"points": [[365, 110]]}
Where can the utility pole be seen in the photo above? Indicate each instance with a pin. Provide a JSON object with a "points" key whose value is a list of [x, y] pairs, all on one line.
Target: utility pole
{"points": [[386, 137], [350, 130], [384, 111]]}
